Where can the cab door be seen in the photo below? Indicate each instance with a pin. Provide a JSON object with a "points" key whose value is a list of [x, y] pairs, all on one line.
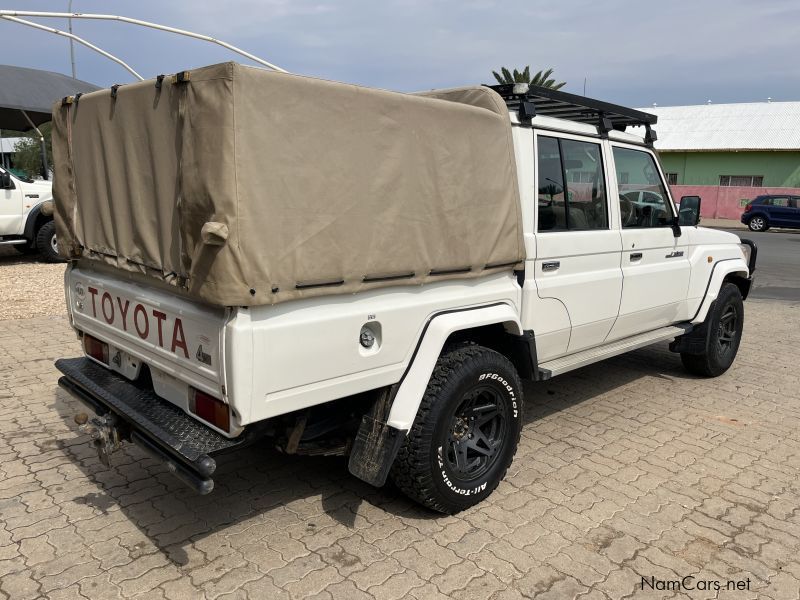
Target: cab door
{"points": [[655, 263], [10, 208], [577, 263]]}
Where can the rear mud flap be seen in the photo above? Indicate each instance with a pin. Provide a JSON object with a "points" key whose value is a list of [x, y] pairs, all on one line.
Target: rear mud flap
{"points": [[374, 450]]}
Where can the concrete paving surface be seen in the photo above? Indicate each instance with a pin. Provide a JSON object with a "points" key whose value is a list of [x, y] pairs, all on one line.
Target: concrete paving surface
{"points": [[633, 480]]}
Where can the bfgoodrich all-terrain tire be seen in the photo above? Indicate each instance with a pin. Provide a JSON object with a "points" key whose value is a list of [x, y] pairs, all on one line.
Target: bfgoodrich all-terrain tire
{"points": [[46, 242], [723, 333], [466, 431]]}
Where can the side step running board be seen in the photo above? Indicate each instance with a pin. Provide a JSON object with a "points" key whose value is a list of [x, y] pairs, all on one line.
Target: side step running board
{"points": [[592, 355]]}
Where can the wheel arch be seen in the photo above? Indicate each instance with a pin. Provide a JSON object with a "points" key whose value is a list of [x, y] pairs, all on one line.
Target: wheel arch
{"points": [[733, 270], [36, 218], [497, 326], [740, 280]]}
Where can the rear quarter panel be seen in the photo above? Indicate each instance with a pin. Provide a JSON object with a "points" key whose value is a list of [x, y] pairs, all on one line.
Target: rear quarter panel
{"points": [[308, 352]]}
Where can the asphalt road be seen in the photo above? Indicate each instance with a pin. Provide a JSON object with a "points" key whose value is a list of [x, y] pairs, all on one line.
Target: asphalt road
{"points": [[778, 264]]}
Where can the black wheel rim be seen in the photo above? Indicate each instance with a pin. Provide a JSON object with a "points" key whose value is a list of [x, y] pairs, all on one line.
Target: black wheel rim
{"points": [[727, 329], [476, 434]]}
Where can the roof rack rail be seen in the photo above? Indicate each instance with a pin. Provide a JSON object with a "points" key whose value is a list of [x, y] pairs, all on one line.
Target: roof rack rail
{"points": [[532, 100]]}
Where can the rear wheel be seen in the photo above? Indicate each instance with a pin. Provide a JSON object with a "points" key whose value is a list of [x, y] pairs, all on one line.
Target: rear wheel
{"points": [[723, 333], [466, 431], [758, 223], [46, 242]]}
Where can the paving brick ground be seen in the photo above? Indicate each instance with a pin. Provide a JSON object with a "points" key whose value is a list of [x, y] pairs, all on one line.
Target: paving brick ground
{"points": [[627, 469]]}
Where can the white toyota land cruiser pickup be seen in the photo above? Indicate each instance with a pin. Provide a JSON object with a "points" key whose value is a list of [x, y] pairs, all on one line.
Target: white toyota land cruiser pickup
{"points": [[201, 335]]}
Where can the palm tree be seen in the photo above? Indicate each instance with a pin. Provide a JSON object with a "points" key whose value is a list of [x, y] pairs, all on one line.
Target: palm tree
{"points": [[542, 78]]}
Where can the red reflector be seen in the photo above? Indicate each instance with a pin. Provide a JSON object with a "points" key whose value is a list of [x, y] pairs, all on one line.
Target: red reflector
{"points": [[210, 409], [95, 348], [748, 208]]}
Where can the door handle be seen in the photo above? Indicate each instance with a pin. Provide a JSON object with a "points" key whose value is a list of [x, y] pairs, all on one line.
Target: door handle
{"points": [[552, 265], [636, 256]]}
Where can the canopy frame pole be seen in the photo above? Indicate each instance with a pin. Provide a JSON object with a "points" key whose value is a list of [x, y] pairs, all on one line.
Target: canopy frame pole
{"points": [[71, 36], [42, 146], [184, 32]]}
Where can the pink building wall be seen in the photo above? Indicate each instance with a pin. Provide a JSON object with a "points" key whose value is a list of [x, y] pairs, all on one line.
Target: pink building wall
{"points": [[725, 202]]}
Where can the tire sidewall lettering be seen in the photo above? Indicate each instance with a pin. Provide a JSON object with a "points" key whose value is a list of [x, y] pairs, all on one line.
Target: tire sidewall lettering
{"points": [[502, 383], [505, 384]]}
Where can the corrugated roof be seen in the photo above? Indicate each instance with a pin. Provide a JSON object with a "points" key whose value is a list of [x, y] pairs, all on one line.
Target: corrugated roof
{"points": [[745, 126]]}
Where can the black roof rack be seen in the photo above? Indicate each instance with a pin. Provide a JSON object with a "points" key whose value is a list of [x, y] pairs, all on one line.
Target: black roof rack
{"points": [[533, 100]]}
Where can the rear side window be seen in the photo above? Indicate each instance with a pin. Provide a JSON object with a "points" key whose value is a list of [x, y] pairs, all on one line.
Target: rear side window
{"points": [[571, 193]]}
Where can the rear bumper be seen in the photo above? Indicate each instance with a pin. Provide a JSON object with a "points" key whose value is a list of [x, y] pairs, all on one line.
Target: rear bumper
{"points": [[161, 429]]}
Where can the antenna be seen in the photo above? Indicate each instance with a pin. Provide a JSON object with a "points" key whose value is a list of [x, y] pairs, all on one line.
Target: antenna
{"points": [[12, 15]]}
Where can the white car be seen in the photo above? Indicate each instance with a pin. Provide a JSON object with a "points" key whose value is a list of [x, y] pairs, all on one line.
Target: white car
{"points": [[26, 215], [416, 376]]}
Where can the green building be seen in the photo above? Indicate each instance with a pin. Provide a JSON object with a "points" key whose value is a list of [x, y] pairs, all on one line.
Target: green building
{"points": [[753, 144]]}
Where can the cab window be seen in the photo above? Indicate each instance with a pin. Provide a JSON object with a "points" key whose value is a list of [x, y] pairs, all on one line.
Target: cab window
{"points": [[643, 199], [571, 186]]}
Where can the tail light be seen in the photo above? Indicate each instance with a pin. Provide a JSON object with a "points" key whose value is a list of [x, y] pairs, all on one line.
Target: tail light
{"points": [[95, 348], [748, 208], [210, 409]]}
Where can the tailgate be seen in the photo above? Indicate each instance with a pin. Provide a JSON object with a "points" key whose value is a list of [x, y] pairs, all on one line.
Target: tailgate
{"points": [[177, 337]]}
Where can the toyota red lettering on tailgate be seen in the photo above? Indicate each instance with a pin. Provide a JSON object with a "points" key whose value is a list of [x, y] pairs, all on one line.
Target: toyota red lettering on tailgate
{"points": [[140, 320], [163, 323]]}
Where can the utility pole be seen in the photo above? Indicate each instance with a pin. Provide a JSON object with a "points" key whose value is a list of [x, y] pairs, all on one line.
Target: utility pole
{"points": [[71, 43]]}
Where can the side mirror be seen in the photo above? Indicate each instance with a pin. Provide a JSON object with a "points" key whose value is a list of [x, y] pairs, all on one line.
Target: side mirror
{"points": [[689, 211], [5, 181]]}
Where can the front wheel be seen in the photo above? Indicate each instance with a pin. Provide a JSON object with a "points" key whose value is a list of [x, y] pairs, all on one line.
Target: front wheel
{"points": [[46, 242], [466, 431], [723, 333], [758, 223]]}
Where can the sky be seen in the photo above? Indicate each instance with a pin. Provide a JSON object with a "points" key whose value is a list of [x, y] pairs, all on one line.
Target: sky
{"points": [[634, 53]]}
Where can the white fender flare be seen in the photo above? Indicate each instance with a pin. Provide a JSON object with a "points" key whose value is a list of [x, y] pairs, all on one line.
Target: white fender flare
{"points": [[720, 271], [437, 330]]}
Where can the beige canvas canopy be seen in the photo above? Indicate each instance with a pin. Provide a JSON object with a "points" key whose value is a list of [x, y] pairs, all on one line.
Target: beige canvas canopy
{"points": [[244, 186]]}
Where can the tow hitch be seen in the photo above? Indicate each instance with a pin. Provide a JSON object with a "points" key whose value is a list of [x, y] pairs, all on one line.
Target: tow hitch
{"points": [[126, 412], [107, 433]]}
